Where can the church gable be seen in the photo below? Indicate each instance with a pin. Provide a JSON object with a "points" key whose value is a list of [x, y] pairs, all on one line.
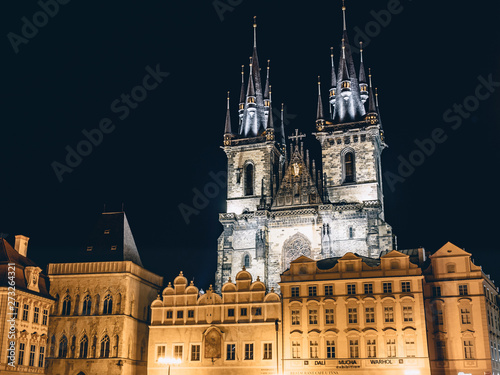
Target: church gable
{"points": [[449, 250]]}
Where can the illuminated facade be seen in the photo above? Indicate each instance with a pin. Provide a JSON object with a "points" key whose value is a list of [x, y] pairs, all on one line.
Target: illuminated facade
{"points": [[208, 333], [354, 315], [24, 317]]}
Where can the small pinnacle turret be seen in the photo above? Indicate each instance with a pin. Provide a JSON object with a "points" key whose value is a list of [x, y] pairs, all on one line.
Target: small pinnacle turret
{"points": [[333, 86], [363, 87], [227, 128], [320, 116], [241, 108], [372, 115]]}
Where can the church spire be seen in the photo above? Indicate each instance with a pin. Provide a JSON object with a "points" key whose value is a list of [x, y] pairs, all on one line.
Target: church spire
{"points": [[250, 87], [333, 86], [372, 114], [241, 108], [363, 87], [267, 88], [320, 117], [227, 128], [344, 79]]}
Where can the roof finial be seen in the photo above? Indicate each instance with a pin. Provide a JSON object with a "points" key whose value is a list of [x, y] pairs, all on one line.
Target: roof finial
{"points": [[376, 96], [255, 31], [361, 49], [343, 13], [242, 92], [319, 112], [343, 48], [227, 127], [371, 97]]}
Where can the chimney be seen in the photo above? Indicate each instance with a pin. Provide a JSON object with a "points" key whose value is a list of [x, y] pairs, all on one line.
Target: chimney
{"points": [[21, 245]]}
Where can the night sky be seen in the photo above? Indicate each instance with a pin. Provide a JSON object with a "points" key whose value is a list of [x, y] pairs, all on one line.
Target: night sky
{"points": [[65, 79]]}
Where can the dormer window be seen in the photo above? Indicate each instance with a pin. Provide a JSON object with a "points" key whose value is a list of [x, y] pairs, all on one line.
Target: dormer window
{"points": [[451, 268]]}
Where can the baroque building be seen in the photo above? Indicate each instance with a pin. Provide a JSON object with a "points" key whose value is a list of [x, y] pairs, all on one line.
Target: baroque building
{"points": [[280, 204], [99, 323], [25, 303]]}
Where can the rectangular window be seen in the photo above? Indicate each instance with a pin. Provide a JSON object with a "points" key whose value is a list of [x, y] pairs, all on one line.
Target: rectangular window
{"points": [[195, 352], [368, 288], [410, 347], [313, 349], [243, 311], [389, 314], [36, 314], [160, 351], [353, 349], [41, 357], [387, 287], [390, 345], [440, 349], [330, 349], [32, 356], [352, 315], [351, 288], [178, 352], [438, 317], [407, 313], [26, 309], [436, 291], [465, 314], [16, 310], [405, 286], [169, 314], [370, 314], [313, 316], [268, 351], [295, 317], [230, 352], [312, 291], [190, 313], [371, 348], [257, 311], [180, 314], [20, 359], [230, 312], [328, 290], [462, 290], [468, 354], [296, 349], [248, 352], [329, 316], [295, 291]]}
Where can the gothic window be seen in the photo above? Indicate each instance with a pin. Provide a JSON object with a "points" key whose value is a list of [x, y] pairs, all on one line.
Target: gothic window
{"points": [[246, 262], [84, 346], [108, 304], [87, 305], [66, 307], [105, 347], [63, 347], [294, 247], [249, 177], [52, 346], [349, 167]]}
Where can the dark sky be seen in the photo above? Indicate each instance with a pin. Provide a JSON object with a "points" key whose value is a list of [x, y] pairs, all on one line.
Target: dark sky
{"points": [[63, 80]]}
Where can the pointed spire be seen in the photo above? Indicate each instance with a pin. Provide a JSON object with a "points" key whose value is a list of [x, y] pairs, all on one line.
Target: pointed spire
{"points": [[371, 102], [251, 87], [343, 15], [362, 74], [227, 128], [319, 113], [242, 92], [282, 127], [270, 123], [334, 77], [267, 88], [254, 31]]}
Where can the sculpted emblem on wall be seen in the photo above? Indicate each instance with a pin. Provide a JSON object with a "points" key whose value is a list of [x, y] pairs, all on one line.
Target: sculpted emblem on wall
{"points": [[294, 247], [213, 342]]}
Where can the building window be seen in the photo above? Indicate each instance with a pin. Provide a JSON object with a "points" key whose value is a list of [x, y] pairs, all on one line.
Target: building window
{"points": [[352, 315], [330, 349], [26, 309], [295, 349], [32, 355], [230, 352], [243, 311], [370, 314], [169, 314], [160, 351], [45, 317], [450, 268], [349, 167], [268, 351], [436, 291], [180, 314], [353, 348], [462, 290], [230, 312], [16, 310], [328, 290], [107, 307], [465, 315], [190, 313], [389, 314], [249, 180], [257, 311], [468, 353], [195, 352], [248, 352], [351, 288], [105, 347], [391, 347], [295, 291], [84, 346], [438, 316], [440, 349], [313, 349], [106, 231], [63, 347], [295, 317], [351, 232], [394, 265], [405, 287], [66, 307], [114, 247], [20, 359], [368, 288], [178, 351], [313, 316], [246, 261], [36, 314], [410, 347], [329, 316], [312, 291], [41, 357], [87, 305], [387, 287], [371, 348], [89, 248], [407, 313]]}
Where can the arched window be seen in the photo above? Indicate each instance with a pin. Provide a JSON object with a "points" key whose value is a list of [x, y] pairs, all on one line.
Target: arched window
{"points": [[349, 167], [105, 347], [66, 307], [87, 305], [249, 179], [108, 304], [247, 261], [97, 301], [84, 346], [351, 232], [73, 346], [63, 347]]}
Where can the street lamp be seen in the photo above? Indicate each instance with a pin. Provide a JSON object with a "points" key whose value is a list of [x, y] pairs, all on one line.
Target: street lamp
{"points": [[169, 361]]}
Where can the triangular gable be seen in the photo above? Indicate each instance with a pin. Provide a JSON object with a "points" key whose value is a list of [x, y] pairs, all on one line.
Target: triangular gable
{"points": [[349, 256], [302, 259], [394, 254], [450, 250]]}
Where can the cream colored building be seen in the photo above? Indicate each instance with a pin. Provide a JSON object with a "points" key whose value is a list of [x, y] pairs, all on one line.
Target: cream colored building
{"points": [[232, 333], [462, 315], [24, 311], [99, 323], [354, 315]]}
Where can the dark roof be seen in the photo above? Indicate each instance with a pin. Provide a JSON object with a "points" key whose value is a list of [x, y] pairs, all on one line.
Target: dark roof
{"points": [[111, 240], [329, 263]]}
